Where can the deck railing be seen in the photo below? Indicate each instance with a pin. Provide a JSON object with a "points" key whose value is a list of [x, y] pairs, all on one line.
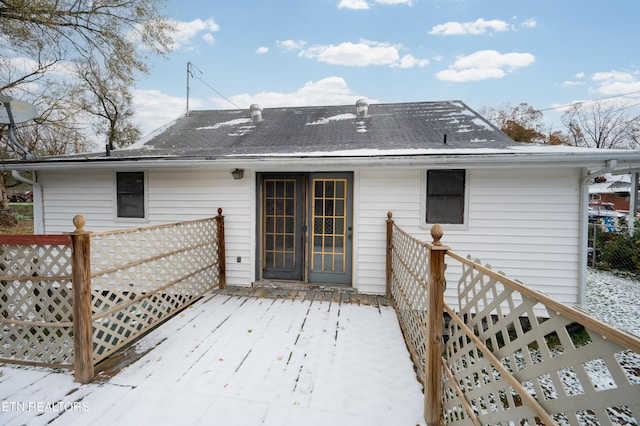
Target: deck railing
{"points": [[73, 300], [36, 311], [513, 355]]}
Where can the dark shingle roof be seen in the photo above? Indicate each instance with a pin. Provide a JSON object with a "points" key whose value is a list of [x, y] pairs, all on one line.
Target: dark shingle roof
{"points": [[324, 129]]}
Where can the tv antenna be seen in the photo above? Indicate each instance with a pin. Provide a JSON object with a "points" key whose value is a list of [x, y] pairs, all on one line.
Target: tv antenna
{"points": [[15, 112], [190, 67]]}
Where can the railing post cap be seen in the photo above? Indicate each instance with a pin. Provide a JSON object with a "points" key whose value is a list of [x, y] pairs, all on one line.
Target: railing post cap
{"points": [[79, 221], [436, 233]]}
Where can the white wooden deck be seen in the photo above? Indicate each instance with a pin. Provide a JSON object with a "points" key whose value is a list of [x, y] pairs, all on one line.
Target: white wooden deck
{"points": [[240, 360]]}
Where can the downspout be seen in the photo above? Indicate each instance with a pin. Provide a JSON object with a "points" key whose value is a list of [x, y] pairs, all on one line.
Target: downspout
{"points": [[38, 210], [584, 228]]}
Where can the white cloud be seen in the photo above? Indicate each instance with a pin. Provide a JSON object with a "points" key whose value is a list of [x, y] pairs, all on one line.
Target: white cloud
{"points": [[493, 58], [483, 65], [363, 53], [569, 83], [155, 109], [407, 2], [616, 82], [364, 4], [469, 74], [479, 26], [185, 32], [262, 50], [409, 61], [619, 76], [529, 23], [354, 54], [572, 83], [328, 91], [291, 45], [353, 4], [208, 38], [27, 65]]}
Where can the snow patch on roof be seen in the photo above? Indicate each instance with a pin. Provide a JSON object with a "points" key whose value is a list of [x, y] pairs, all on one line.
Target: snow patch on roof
{"points": [[482, 123], [227, 123], [347, 116]]}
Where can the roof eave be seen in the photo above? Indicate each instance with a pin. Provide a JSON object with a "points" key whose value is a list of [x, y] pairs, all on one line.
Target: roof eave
{"points": [[593, 159]]}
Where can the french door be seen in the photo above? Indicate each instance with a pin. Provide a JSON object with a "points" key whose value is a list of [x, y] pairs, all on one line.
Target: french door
{"points": [[306, 227]]}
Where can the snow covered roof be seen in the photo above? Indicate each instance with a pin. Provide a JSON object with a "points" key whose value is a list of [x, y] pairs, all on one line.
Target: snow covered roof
{"points": [[418, 133], [611, 184], [326, 129]]}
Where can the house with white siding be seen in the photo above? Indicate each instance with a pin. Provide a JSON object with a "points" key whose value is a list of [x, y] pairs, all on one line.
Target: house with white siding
{"points": [[305, 191]]}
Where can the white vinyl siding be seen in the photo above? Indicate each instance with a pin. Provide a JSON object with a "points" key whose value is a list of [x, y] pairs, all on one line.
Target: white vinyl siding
{"points": [[174, 195], [524, 222]]}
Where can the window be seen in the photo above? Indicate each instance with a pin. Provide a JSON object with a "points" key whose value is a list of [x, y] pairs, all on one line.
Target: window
{"points": [[445, 196], [130, 190]]}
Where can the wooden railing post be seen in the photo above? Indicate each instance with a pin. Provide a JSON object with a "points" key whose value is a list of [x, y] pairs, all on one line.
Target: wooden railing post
{"points": [[81, 284], [435, 326], [389, 253], [222, 266]]}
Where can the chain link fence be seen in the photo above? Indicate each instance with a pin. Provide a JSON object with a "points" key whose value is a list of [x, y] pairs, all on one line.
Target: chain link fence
{"points": [[613, 245]]}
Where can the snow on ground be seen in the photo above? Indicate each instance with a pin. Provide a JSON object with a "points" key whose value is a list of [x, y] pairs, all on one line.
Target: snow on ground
{"points": [[236, 361], [239, 361], [614, 300]]}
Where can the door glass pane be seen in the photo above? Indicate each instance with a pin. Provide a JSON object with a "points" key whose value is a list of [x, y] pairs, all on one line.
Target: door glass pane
{"points": [[329, 233], [340, 189], [279, 224]]}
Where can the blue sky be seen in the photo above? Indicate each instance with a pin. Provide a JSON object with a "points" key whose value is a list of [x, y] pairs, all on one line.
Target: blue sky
{"points": [[333, 52]]}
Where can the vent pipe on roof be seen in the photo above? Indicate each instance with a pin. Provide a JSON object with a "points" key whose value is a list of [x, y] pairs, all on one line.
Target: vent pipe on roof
{"points": [[362, 108], [256, 113]]}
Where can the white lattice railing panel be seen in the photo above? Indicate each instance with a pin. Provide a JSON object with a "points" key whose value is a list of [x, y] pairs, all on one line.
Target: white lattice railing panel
{"points": [[142, 276], [410, 266], [516, 356], [36, 300]]}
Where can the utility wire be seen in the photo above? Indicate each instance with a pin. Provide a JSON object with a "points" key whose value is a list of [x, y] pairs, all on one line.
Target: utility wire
{"points": [[209, 86], [589, 101]]}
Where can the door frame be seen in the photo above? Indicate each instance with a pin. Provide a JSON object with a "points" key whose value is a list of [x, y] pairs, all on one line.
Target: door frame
{"points": [[306, 215]]}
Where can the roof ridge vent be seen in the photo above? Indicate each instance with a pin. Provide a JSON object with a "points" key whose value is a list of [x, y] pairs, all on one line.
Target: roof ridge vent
{"points": [[256, 113], [362, 108]]}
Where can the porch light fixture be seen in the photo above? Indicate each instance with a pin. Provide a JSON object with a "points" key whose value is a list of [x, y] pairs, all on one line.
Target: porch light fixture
{"points": [[237, 174]]}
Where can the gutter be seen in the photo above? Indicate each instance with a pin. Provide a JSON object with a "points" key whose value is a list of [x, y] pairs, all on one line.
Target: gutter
{"points": [[602, 160], [611, 166], [38, 214]]}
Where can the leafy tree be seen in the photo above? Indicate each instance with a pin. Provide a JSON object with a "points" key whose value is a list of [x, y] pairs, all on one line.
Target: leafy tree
{"points": [[76, 60], [522, 123], [603, 124], [85, 51], [557, 138], [108, 98]]}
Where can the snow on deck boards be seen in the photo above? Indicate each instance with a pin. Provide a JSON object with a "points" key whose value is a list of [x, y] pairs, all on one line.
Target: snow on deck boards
{"points": [[238, 360]]}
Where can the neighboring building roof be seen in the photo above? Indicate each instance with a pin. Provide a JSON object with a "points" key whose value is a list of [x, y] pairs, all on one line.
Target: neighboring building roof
{"points": [[610, 184]]}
